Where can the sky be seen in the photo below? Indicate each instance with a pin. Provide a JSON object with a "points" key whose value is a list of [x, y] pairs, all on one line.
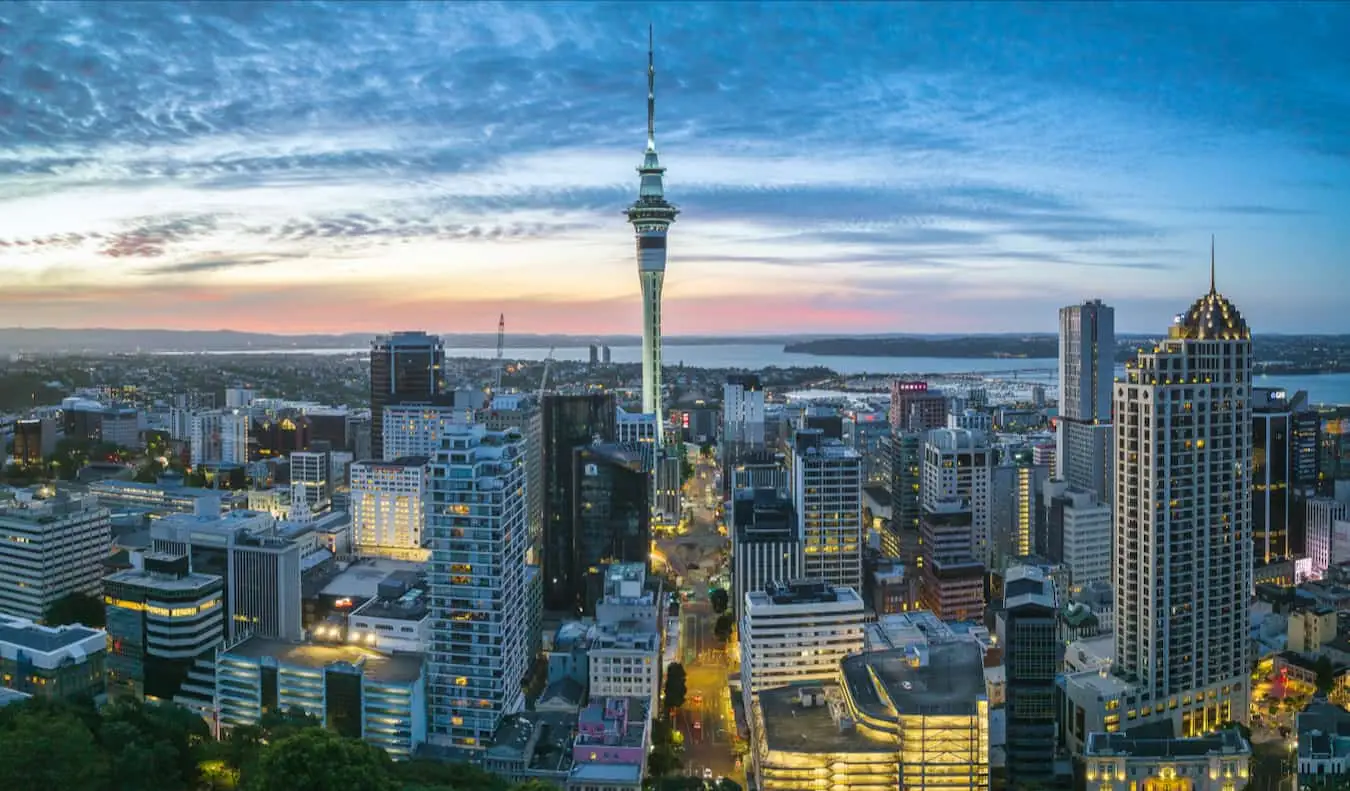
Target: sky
{"points": [[863, 168]]}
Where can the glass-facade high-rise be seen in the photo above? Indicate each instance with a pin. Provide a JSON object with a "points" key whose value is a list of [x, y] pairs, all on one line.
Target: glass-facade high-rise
{"points": [[478, 533], [611, 515], [1087, 347], [403, 366], [569, 422]]}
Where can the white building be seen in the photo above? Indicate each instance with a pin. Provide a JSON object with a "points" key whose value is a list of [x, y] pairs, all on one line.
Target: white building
{"points": [[50, 661], [50, 549], [388, 507], [625, 655], [958, 465], [743, 411], [827, 502], [1087, 348], [478, 535], [1079, 529], [798, 632], [219, 437], [389, 625], [971, 420], [1120, 762], [1183, 538], [238, 397], [1324, 515], [417, 429], [309, 480]]}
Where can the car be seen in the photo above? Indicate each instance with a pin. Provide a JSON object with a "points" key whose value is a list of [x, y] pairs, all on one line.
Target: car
{"points": [[707, 773]]}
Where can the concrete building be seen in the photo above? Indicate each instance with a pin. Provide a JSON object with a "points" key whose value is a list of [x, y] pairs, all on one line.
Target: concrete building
{"points": [[396, 620], [57, 662], [167, 496], [1120, 762], [50, 549], [1322, 732], [905, 452], [161, 620], [952, 578], [916, 408], [971, 420], [479, 539], [1087, 349], [1183, 522], [356, 692], [624, 658], [612, 742], [405, 366], [261, 566], [827, 501], [1310, 628], [765, 546], [1029, 634], [310, 481], [892, 719], [1077, 532], [388, 507], [651, 216], [415, 429], [958, 465], [219, 437], [34, 440], [1015, 512], [795, 632], [1324, 516], [742, 412]]}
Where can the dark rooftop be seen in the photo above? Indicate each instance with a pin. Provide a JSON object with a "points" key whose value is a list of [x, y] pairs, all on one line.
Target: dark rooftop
{"points": [[43, 639], [792, 727], [948, 684], [395, 668], [1102, 744]]}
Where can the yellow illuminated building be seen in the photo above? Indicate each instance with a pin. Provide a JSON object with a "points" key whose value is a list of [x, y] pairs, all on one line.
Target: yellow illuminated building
{"points": [[1117, 762]]}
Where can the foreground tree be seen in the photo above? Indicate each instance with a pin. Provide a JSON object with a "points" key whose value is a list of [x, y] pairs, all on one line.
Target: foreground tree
{"points": [[320, 760], [78, 608], [719, 599], [675, 686], [49, 749], [722, 629]]}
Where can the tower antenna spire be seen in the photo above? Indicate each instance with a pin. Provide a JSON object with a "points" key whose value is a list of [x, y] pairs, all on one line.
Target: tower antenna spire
{"points": [[651, 90], [1211, 263]]}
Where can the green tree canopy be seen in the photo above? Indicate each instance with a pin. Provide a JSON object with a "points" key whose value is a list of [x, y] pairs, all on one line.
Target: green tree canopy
{"points": [[320, 760], [78, 608], [675, 685], [47, 748], [418, 775], [722, 629], [720, 600]]}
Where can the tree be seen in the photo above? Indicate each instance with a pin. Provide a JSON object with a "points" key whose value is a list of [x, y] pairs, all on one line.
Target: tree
{"points": [[1326, 674], [663, 760], [719, 599], [440, 776], [722, 629], [675, 686], [78, 608], [156, 745], [277, 725], [320, 760], [534, 785], [47, 748]]}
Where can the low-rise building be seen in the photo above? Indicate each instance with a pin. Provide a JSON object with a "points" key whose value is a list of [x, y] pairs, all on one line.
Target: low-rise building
{"points": [[1120, 762], [358, 693], [797, 632], [60, 662], [395, 620], [613, 738], [1323, 733], [1310, 628]]}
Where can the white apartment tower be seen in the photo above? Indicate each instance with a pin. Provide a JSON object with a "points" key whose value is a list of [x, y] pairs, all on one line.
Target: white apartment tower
{"points": [[743, 411], [50, 549], [827, 500], [1323, 516], [958, 465], [388, 507], [218, 437], [794, 632], [310, 479], [1087, 347], [1182, 569], [478, 534], [651, 216]]}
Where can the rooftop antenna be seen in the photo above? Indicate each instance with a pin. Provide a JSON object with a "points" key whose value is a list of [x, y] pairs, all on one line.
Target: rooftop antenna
{"points": [[651, 91], [501, 352], [1211, 263]]}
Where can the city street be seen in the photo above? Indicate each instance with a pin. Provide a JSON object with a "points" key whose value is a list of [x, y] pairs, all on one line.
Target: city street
{"points": [[699, 556]]}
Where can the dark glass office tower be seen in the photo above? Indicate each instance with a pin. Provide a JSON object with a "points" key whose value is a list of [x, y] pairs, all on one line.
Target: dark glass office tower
{"points": [[405, 366], [611, 514], [1272, 473], [569, 422], [1030, 638]]}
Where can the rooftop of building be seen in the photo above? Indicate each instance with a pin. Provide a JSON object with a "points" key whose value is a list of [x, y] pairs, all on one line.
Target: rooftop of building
{"points": [[623, 636], [878, 494], [1223, 742], [402, 461], [633, 713], [1028, 586], [413, 605], [802, 592], [1105, 686], [164, 581], [791, 726], [361, 580], [37, 639], [387, 668], [599, 773], [41, 504], [949, 683]]}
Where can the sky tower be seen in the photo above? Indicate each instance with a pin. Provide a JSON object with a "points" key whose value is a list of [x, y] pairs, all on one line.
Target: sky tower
{"points": [[651, 216]]}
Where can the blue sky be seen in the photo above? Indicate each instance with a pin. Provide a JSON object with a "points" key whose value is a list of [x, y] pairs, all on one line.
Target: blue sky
{"points": [[877, 167]]}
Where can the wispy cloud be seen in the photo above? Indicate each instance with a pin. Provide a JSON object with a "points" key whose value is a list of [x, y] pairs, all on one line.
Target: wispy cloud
{"points": [[489, 148]]}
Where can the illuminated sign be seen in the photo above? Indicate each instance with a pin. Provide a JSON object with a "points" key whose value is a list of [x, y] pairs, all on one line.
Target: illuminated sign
{"points": [[911, 387]]}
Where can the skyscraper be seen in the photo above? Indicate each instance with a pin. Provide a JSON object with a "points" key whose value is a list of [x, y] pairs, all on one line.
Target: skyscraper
{"points": [[1030, 640], [651, 216], [569, 422], [1272, 473], [827, 499], [958, 465], [611, 515], [479, 537], [1182, 567], [403, 366], [1087, 348]]}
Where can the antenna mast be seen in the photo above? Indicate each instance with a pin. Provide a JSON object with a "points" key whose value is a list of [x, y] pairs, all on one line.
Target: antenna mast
{"points": [[501, 351]]}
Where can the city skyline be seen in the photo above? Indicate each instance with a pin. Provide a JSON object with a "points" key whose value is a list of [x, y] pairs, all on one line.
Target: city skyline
{"points": [[329, 167]]}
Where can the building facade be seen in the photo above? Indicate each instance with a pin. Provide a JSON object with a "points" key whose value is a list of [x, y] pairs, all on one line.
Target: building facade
{"points": [[1273, 459], [611, 515], [1087, 349], [1183, 533], [50, 549], [765, 546], [405, 366], [388, 507], [958, 465], [916, 408], [57, 662], [569, 422], [795, 632], [1032, 655], [827, 501], [479, 538], [743, 412]]}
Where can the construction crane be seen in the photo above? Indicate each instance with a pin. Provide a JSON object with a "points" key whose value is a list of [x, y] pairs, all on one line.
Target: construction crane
{"points": [[501, 352], [543, 380]]}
